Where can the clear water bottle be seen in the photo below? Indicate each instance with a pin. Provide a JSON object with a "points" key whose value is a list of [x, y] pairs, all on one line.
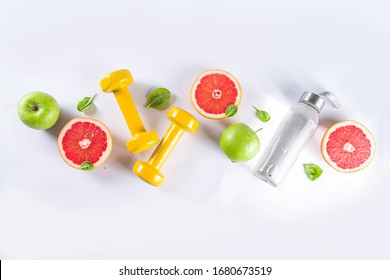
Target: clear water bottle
{"points": [[294, 131]]}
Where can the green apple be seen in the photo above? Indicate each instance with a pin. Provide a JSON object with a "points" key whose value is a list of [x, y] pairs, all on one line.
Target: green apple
{"points": [[239, 142], [38, 110]]}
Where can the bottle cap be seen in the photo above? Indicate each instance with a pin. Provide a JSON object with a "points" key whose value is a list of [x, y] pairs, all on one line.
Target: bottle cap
{"points": [[312, 100]]}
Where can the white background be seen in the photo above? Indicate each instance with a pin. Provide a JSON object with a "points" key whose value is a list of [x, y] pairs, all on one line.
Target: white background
{"points": [[208, 207]]}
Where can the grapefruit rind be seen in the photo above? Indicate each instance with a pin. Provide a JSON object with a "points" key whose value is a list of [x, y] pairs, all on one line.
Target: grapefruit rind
{"points": [[196, 84], [325, 140], [102, 126]]}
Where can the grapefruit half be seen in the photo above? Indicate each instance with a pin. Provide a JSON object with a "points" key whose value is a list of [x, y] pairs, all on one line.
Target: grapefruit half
{"points": [[213, 91], [84, 143], [348, 146]]}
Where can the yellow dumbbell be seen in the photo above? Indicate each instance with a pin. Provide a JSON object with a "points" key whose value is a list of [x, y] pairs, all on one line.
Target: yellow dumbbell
{"points": [[117, 82], [181, 121]]}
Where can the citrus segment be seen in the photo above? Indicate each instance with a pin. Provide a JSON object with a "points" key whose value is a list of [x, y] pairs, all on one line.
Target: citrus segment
{"points": [[84, 140], [213, 91], [348, 146]]}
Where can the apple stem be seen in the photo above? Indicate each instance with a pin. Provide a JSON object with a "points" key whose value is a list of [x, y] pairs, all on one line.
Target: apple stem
{"points": [[34, 107], [258, 129]]}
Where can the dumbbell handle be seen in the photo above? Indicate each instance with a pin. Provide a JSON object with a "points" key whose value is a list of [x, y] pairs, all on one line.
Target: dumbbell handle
{"points": [[165, 147], [129, 111]]}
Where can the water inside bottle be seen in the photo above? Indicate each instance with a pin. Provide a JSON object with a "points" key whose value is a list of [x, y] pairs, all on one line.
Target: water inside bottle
{"points": [[286, 144]]}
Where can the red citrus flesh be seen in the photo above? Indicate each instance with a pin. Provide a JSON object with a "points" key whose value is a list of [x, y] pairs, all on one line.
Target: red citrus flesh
{"points": [[213, 91], [348, 146], [84, 139]]}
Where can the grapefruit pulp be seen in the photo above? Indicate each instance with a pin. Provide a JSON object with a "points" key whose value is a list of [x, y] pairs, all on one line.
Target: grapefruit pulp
{"points": [[348, 146], [213, 91], [84, 143]]}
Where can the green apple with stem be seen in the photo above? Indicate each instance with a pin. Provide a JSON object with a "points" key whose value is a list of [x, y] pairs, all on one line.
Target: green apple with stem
{"points": [[38, 110], [239, 142]]}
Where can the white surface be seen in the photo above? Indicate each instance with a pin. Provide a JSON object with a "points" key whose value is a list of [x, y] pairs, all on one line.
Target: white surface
{"points": [[208, 208]]}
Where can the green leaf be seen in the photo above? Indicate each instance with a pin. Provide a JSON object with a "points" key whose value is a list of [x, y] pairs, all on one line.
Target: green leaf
{"points": [[159, 99], [231, 110], [86, 165], [313, 171], [85, 104], [262, 115]]}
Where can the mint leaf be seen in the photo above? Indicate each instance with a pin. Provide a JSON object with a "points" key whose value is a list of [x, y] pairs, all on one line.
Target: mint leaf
{"points": [[159, 99], [231, 110], [86, 166], [313, 171], [262, 115], [85, 104]]}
